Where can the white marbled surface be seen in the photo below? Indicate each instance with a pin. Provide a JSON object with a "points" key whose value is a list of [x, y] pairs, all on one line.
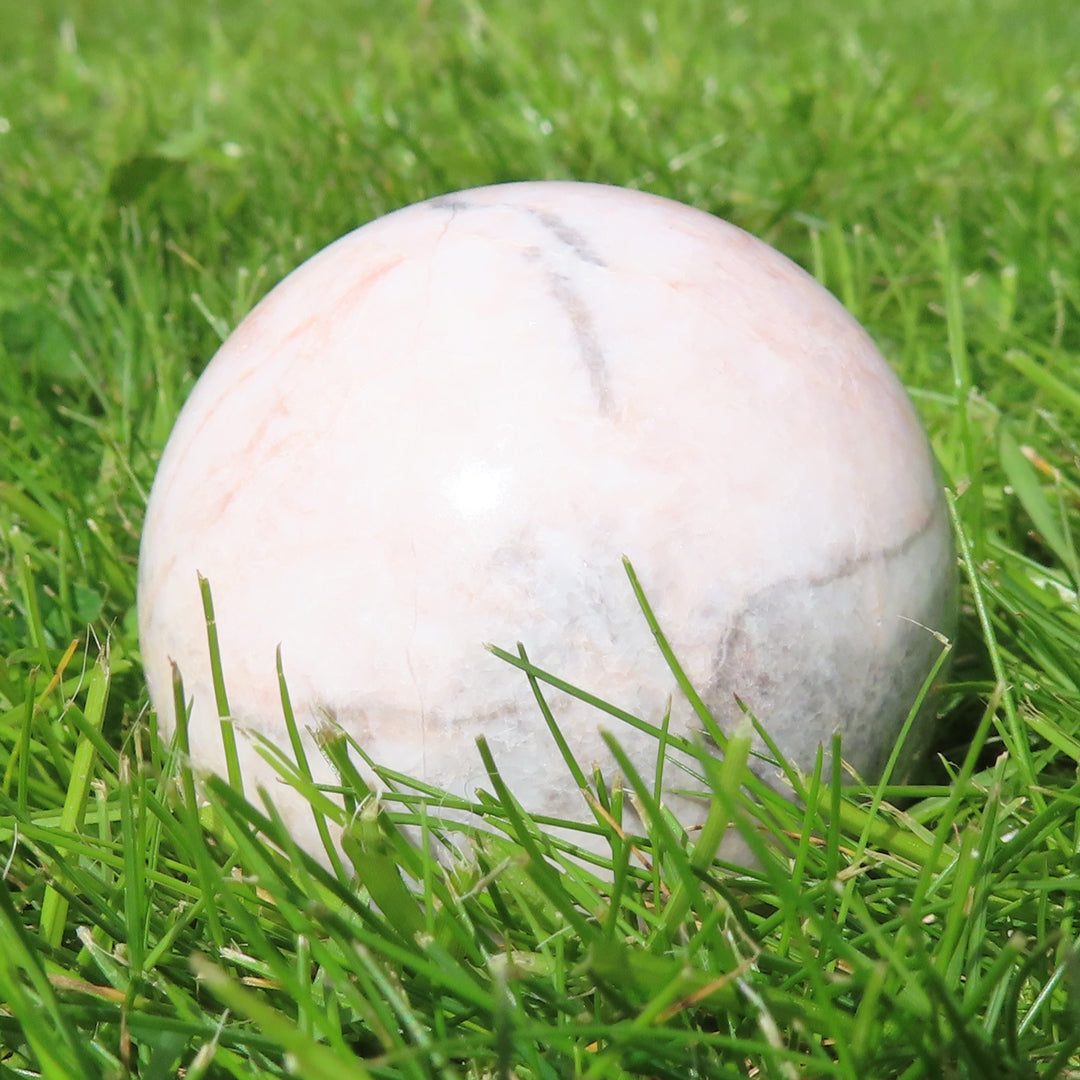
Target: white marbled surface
{"points": [[448, 427]]}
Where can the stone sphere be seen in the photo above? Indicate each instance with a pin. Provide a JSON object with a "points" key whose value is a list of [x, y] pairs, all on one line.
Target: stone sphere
{"points": [[447, 429]]}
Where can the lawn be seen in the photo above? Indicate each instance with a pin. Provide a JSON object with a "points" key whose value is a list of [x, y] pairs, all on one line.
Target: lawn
{"points": [[161, 167]]}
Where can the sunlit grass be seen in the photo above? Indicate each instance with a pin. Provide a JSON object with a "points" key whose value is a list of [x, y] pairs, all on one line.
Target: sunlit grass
{"points": [[159, 171]]}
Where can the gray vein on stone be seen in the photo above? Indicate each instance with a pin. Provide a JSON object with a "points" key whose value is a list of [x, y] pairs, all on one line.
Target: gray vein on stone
{"points": [[561, 230], [774, 621], [566, 234], [569, 299], [450, 202], [592, 354], [845, 568], [854, 563]]}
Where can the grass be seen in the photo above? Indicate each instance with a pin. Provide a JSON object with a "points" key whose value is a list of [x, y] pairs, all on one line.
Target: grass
{"points": [[161, 166]]}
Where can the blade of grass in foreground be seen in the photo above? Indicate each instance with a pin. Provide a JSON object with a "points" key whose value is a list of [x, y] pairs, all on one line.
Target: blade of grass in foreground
{"points": [[311, 1059], [228, 730], [208, 878], [58, 1045], [54, 906]]}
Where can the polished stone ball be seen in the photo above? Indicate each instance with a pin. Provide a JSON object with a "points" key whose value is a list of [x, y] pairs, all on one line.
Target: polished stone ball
{"points": [[448, 428]]}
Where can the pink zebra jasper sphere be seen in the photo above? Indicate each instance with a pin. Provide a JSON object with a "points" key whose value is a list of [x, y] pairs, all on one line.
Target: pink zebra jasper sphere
{"points": [[448, 427]]}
